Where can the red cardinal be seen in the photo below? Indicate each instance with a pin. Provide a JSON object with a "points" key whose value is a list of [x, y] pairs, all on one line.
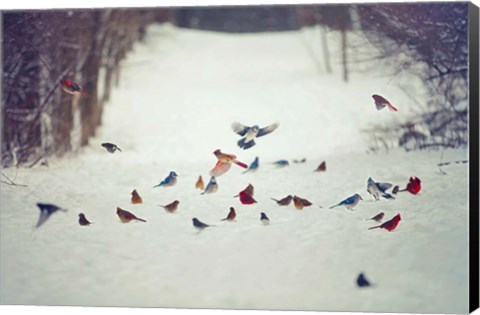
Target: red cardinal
{"points": [[414, 186], [72, 88], [390, 225], [246, 195], [380, 102], [224, 163]]}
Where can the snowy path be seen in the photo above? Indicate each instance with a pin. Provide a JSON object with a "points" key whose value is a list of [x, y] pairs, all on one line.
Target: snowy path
{"points": [[178, 96]]}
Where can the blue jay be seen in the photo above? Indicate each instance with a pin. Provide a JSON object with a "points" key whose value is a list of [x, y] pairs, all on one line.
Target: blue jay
{"points": [[199, 225], [253, 166], [378, 189], [250, 133], [281, 163], [212, 186], [46, 210], [350, 202], [265, 220], [170, 180], [362, 281]]}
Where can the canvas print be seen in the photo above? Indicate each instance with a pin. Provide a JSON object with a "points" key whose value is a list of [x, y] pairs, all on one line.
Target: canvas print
{"points": [[281, 157]]}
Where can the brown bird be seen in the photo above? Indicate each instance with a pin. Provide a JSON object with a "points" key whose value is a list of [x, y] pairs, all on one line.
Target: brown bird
{"points": [[126, 216], [136, 197], [199, 184], [300, 203], [171, 207], [231, 215], [82, 220], [284, 201], [322, 167], [378, 217], [395, 189]]}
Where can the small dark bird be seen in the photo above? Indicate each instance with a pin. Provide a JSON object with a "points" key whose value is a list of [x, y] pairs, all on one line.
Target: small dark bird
{"points": [[249, 134], [381, 102], [46, 210], [378, 217], [265, 220], [231, 215], [281, 163], [72, 88], [322, 167], [126, 216], [395, 189], [171, 207], [300, 203], [111, 147], [284, 201], [300, 161], [200, 226], [199, 184], [82, 220], [362, 281], [389, 225], [136, 197]]}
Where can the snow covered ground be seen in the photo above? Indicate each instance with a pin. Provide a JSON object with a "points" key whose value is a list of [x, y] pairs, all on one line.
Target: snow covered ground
{"points": [[178, 96]]}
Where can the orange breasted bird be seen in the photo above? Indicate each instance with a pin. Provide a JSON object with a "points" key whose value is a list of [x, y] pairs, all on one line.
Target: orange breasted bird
{"points": [[136, 197], [300, 203], [199, 184], [126, 216]]}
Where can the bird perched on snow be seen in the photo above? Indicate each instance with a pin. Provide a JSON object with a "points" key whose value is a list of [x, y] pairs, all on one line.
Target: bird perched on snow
{"points": [[378, 217], [126, 216], [362, 281], [199, 184], [350, 202], [381, 102], [199, 225], [212, 186], [249, 134], [265, 220], [46, 210], [389, 225], [224, 163], [171, 207], [281, 163], [72, 88], [253, 166], [322, 167], [300, 203], [231, 215], [300, 161], [246, 195], [284, 201], [414, 185], [82, 220], [111, 147], [136, 197], [378, 189], [170, 180]]}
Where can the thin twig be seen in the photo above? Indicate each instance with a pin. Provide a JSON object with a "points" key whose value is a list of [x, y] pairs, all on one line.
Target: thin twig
{"points": [[10, 182]]}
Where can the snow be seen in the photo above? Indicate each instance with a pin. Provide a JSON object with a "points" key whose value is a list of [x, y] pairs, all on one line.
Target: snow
{"points": [[178, 96]]}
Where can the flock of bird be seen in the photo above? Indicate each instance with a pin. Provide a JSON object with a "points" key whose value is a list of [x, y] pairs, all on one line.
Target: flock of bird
{"points": [[224, 162]]}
